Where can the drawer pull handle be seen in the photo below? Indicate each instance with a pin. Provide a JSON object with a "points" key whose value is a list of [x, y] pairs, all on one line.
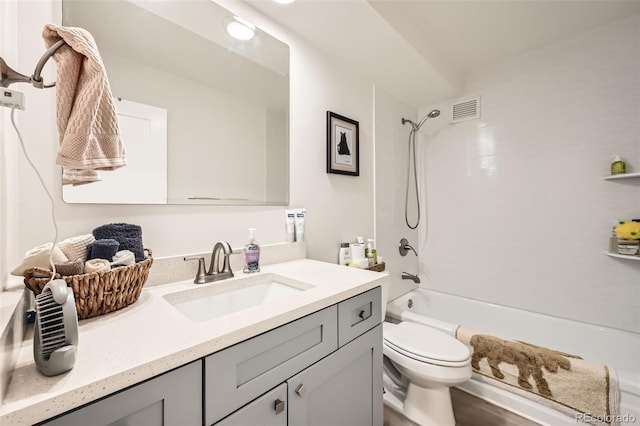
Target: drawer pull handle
{"points": [[363, 315], [301, 390], [278, 406]]}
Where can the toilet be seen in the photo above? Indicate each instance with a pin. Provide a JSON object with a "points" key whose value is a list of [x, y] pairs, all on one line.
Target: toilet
{"points": [[427, 362]]}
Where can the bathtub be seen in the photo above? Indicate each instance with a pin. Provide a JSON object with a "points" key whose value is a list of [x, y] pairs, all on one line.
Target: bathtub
{"points": [[615, 348]]}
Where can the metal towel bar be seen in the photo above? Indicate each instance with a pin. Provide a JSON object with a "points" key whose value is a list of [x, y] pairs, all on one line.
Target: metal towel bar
{"points": [[10, 76]]}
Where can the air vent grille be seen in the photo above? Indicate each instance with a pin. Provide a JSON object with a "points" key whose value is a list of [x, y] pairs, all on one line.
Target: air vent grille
{"points": [[466, 109]]}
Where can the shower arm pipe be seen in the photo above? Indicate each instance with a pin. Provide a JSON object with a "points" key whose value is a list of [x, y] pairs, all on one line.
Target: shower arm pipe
{"points": [[10, 76]]}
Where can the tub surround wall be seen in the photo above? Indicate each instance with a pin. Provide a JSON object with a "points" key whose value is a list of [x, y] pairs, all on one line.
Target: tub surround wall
{"points": [[518, 211], [391, 150]]}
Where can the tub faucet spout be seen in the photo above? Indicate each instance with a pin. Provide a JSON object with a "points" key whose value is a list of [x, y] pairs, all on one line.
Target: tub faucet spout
{"points": [[408, 276]]}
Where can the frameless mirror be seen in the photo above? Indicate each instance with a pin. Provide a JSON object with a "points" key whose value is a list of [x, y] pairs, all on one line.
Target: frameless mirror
{"points": [[204, 117]]}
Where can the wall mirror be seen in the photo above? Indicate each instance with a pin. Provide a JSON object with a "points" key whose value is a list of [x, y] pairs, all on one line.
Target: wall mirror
{"points": [[204, 116]]}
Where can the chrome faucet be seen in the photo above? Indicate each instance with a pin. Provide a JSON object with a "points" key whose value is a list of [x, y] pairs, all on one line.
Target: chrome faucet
{"points": [[216, 271], [408, 276]]}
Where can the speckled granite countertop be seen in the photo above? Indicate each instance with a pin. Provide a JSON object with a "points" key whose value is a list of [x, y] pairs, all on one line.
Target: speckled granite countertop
{"points": [[151, 337]]}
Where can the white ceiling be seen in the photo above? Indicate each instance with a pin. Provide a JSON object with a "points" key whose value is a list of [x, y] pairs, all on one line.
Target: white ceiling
{"points": [[422, 50]]}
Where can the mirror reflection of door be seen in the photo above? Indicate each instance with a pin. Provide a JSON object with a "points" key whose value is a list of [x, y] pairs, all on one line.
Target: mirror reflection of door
{"points": [[227, 101], [144, 179]]}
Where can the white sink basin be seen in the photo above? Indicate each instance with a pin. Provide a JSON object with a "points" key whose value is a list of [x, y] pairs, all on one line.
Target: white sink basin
{"points": [[221, 298]]}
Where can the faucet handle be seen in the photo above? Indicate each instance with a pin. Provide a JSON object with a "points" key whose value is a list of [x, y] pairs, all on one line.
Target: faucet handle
{"points": [[199, 279]]}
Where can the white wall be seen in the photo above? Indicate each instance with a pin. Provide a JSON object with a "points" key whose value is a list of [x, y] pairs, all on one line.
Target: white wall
{"points": [[8, 148], [338, 207], [518, 211], [392, 148]]}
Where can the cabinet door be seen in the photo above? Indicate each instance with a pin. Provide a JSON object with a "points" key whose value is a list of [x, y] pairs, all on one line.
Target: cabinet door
{"points": [[172, 399], [243, 372], [268, 410], [343, 389]]}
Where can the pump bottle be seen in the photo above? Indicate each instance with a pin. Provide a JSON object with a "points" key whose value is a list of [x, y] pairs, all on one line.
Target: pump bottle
{"points": [[252, 254]]}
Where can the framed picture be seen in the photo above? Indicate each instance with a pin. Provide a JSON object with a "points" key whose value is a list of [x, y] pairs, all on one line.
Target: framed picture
{"points": [[343, 145]]}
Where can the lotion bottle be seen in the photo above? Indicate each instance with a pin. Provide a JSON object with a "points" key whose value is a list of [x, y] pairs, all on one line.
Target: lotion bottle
{"points": [[252, 254], [344, 257]]}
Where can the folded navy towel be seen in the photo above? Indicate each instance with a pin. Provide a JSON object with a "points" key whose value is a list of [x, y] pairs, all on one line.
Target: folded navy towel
{"points": [[129, 236], [102, 249]]}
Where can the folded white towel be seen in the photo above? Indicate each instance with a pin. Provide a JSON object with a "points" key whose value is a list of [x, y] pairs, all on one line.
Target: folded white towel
{"points": [[96, 265], [38, 257], [123, 258], [76, 247], [86, 113]]}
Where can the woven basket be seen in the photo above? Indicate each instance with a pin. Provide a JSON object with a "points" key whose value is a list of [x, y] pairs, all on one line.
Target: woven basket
{"points": [[98, 293], [378, 267]]}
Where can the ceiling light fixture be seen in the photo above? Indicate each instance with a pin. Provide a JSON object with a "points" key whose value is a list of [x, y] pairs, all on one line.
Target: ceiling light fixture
{"points": [[284, 1], [240, 28]]}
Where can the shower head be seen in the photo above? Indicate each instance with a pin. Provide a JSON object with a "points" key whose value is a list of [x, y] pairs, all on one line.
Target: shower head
{"points": [[415, 127]]}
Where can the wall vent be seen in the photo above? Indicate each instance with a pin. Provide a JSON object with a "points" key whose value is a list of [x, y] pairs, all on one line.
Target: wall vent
{"points": [[465, 109]]}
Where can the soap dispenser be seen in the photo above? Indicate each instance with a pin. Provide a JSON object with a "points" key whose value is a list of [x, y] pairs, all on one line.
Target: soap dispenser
{"points": [[252, 254]]}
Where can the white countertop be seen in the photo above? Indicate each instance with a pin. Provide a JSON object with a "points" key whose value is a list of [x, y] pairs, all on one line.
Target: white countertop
{"points": [[151, 337]]}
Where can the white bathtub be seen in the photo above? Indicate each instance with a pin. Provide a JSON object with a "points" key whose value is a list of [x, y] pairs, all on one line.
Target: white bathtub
{"points": [[615, 348]]}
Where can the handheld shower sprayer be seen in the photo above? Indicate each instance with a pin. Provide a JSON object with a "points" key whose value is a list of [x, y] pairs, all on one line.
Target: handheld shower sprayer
{"points": [[415, 127], [412, 150]]}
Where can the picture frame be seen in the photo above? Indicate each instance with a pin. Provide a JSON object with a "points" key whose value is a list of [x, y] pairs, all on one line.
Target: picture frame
{"points": [[343, 145]]}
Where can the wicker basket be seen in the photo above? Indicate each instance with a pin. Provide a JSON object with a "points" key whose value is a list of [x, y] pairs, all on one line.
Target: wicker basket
{"points": [[378, 267], [98, 293]]}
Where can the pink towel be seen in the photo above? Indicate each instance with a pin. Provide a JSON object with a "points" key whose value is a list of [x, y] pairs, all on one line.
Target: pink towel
{"points": [[87, 121]]}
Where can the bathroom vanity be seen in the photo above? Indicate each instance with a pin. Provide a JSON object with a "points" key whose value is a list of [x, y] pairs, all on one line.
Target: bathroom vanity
{"points": [[311, 358]]}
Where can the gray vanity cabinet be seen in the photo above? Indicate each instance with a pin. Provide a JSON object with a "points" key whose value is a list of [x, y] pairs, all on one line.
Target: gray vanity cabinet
{"points": [[343, 389], [324, 369], [172, 399], [237, 375], [330, 363]]}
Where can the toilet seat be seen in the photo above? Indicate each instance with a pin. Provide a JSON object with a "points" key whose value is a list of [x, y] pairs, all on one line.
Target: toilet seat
{"points": [[425, 344]]}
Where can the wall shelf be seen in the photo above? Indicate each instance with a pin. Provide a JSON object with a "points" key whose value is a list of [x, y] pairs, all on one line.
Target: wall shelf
{"points": [[622, 256], [623, 176]]}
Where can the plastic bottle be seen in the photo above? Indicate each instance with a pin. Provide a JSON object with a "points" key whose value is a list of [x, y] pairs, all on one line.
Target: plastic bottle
{"points": [[618, 166], [345, 254], [374, 251], [252, 254], [290, 217], [299, 224], [370, 252], [613, 241]]}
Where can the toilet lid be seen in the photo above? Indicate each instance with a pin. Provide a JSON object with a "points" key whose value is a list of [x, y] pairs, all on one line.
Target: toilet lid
{"points": [[425, 343]]}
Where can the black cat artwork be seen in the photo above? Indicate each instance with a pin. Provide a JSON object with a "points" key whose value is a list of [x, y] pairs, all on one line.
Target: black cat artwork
{"points": [[343, 147]]}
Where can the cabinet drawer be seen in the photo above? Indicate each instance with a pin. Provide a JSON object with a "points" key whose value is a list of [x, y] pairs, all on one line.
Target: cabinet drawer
{"points": [[244, 371], [359, 314]]}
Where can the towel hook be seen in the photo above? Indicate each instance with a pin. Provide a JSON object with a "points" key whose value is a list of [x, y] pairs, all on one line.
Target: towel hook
{"points": [[10, 76]]}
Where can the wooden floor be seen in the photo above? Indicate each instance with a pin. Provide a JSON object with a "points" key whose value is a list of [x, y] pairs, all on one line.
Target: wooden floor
{"points": [[469, 411]]}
